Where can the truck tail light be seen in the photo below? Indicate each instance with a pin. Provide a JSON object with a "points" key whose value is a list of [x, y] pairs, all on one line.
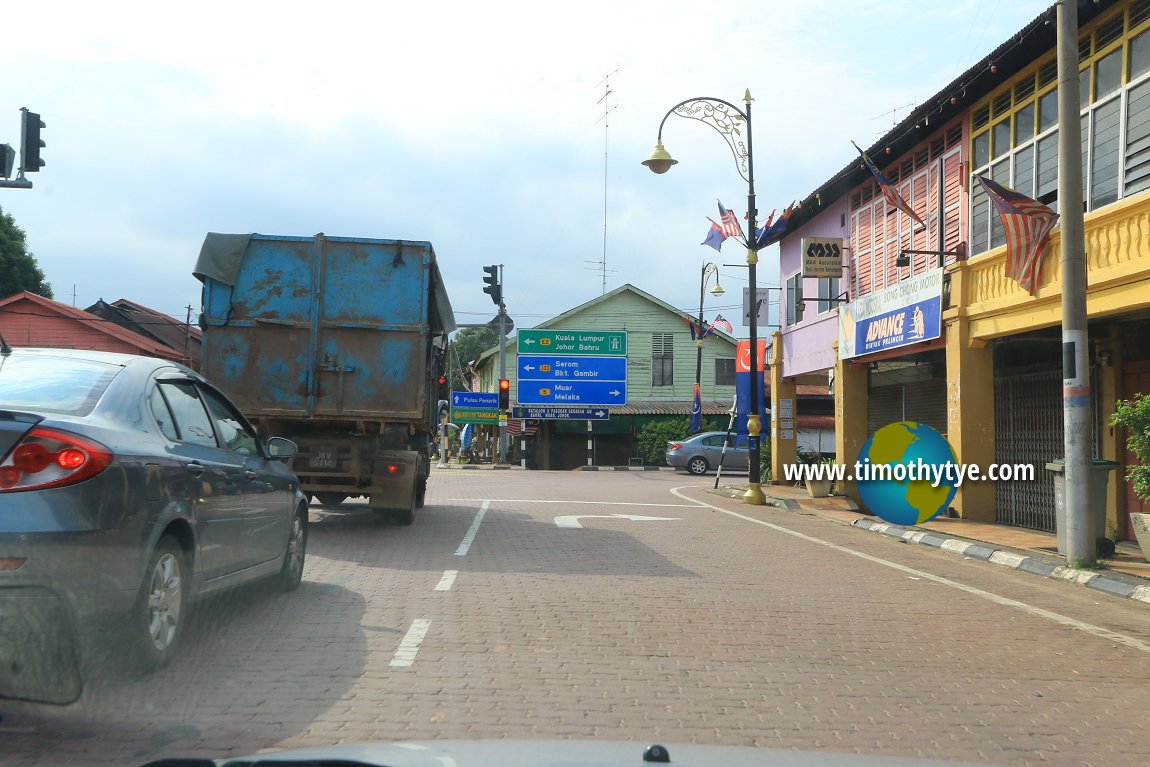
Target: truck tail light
{"points": [[46, 458]]}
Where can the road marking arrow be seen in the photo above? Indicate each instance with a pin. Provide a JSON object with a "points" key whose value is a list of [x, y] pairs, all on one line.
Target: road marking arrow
{"points": [[572, 522]]}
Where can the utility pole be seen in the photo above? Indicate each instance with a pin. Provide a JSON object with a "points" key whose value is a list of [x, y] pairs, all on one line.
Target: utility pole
{"points": [[1076, 395]]}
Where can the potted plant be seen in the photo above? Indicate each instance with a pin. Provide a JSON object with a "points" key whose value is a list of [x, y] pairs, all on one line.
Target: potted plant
{"points": [[1134, 416], [821, 488]]}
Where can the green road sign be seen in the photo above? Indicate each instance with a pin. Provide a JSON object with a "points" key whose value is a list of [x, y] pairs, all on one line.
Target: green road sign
{"points": [[601, 343], [474, 415]]}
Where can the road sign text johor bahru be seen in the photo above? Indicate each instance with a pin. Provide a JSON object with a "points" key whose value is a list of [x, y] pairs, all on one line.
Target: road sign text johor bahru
{"points": [[607, 343]]}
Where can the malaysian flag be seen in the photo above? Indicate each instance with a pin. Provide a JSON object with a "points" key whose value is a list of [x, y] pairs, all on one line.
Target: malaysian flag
{"points": [[723, 325], [888, 190], [1027, 223], [729, 223]]}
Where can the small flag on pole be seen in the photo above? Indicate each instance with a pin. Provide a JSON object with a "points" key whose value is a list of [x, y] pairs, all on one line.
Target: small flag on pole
{"points": [[1027, 223], [715, 236], [888, 191], [730, 224], [696, 412], [723, 325]]}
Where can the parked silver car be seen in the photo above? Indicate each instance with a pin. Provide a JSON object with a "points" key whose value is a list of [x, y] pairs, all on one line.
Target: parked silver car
{"points": [[129, 487], [700, 453]]}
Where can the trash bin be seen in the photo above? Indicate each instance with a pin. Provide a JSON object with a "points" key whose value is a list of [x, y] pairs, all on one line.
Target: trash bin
{"points": [[1099, 482]]}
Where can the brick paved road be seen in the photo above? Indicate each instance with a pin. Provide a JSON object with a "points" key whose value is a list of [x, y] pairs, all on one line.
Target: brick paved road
{"points": [[709, 628]]}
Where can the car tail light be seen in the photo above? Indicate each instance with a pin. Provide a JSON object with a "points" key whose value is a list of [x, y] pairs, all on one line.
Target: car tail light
{"points": [[51, 458], [674, 446]]}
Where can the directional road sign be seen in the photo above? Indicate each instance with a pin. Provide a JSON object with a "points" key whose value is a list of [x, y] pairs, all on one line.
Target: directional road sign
{"points": [[474, 415], [534, 367], [574, 393], [562, 413], [599, 343], [475, 399]]}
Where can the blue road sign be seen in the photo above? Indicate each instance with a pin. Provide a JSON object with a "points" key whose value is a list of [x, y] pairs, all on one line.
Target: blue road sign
{"points": [[574, 393], [562, 413], [545, 367], [475, 399]]}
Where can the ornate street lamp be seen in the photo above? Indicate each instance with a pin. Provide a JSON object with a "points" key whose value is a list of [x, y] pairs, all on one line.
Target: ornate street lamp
{"points": [[729, 121], [704, 276]]}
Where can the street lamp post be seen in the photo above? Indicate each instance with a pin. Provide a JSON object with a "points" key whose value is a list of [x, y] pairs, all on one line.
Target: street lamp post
{"points": [[705, 274], [728, 120]]}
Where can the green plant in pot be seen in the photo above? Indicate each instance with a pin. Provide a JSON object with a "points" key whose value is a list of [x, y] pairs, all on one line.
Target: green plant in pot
{"points": [[821, 488], [1134, 416]]}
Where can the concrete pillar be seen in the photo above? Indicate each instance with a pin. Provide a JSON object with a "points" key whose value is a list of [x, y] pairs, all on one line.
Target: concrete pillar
{"points": [[970, 410], [851, 415], [784, 433]]}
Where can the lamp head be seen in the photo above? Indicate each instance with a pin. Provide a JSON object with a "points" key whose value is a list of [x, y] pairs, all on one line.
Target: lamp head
{"points": [[660, 160], [717, 290]]}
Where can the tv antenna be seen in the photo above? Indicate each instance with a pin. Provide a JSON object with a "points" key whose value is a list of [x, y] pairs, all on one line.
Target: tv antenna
{"points": [[608, 108]]}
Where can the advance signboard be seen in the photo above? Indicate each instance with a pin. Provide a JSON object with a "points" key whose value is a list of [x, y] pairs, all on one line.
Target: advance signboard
{"points": [[906, 313]]}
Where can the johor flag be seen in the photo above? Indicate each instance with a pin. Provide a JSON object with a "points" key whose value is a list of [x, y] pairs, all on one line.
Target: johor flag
{"points": [[1027, 223], [888, 191], [696, 413], [723, 325], [715, 236]]}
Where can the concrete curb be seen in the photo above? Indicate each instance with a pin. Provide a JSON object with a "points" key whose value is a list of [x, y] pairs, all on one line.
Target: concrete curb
{"points": [[1111, 582], [624, 468]]}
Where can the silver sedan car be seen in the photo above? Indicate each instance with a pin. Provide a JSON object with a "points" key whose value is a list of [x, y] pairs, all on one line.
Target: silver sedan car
{"points": [[702, 452], [129, 487]]}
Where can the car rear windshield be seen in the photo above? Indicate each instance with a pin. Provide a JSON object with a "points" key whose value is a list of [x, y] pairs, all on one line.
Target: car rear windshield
{"points": [[53, 384]]}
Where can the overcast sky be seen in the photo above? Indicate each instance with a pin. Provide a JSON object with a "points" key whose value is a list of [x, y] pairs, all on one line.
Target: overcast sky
{"points": [[476, 126]]}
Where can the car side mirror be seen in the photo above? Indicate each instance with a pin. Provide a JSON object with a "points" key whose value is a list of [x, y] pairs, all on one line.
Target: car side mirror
{"points": [[279, 447]]}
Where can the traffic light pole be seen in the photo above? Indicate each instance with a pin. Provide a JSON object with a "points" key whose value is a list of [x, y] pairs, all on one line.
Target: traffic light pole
{"points": [[502, 367]]}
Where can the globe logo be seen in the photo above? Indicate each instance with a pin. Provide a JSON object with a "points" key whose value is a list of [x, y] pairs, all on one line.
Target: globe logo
{"points": [[907, 473]]}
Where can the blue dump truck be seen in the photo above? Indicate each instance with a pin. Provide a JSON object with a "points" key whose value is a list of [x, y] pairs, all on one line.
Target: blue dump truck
{"points": [[336, 343]]}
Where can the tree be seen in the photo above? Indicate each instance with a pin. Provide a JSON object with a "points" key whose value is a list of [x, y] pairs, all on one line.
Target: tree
{"points": [[468, 344], [18, 268]]}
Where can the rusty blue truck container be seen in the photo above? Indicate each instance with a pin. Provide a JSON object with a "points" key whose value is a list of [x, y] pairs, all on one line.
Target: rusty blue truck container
{"points": [[336, 343]]}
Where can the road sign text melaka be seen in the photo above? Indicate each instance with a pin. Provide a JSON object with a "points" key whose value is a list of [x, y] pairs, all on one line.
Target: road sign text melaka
{"points": [[601, 343]]}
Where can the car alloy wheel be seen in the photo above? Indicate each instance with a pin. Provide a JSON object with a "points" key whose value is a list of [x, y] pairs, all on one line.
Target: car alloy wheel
{"points": [[697, 465], [292, 572]]}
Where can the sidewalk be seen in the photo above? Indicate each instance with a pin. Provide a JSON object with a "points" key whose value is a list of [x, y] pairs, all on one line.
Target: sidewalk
{"points": [[1125, 574]]}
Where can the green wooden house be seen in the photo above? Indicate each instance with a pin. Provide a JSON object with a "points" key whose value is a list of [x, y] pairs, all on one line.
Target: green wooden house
{"points": [[661, 364]]}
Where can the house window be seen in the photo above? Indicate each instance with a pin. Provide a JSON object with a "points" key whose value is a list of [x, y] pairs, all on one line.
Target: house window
{"points": [[1115, 100], [662, 359], [828, 289], [725, 371], [795, 299]]}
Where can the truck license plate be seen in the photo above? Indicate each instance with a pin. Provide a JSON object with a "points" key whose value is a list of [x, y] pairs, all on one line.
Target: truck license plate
{"points": [[323, 458]]}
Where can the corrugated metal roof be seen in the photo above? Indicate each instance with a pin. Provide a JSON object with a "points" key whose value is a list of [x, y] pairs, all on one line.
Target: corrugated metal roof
{"points": [[669, 407]]}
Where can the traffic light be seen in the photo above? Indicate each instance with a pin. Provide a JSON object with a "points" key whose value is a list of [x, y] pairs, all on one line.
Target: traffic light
{"points": [[491, 280], [30, 142], [504, 394], [7, 159]]}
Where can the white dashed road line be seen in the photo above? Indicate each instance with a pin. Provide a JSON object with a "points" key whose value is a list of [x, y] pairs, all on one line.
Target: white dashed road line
{"points": [[467, 539], [409, 647], [446, 581]]}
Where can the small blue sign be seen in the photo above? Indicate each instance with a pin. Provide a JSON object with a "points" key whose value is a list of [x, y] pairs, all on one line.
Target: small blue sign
{"points": [[551, 368], [575, 393], [562, 413], [475, 399]]}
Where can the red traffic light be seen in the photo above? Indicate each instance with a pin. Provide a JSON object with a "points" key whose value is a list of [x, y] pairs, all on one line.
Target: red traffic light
{"points": [[504, 394]]}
